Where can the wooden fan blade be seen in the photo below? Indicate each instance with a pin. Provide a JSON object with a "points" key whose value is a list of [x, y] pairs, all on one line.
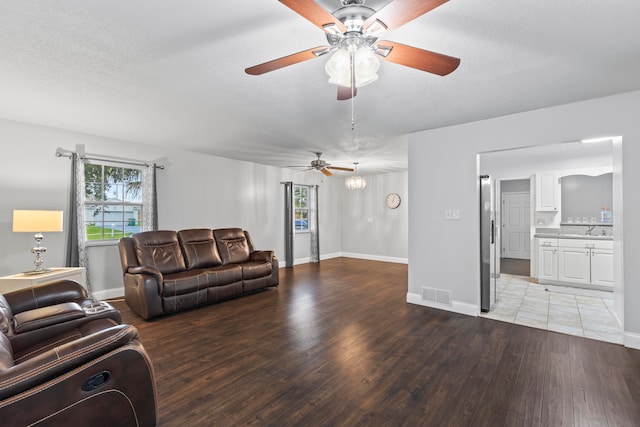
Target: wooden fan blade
{"points": [[420, 59], [399, 12], [340, 169], [345, 93], [285, 61], [326, 171], [315, 13]]}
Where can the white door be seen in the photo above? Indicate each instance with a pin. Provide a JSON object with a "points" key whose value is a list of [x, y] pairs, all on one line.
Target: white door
{"points": [[515, 225], [574, 265]]}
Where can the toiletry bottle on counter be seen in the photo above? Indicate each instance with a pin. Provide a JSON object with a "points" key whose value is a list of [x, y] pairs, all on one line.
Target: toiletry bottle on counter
{"points": [[605, 214]]}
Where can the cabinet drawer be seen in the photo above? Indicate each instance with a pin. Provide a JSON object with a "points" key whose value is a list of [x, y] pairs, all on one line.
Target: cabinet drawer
{"points": [[585, 243], [547, 241]]}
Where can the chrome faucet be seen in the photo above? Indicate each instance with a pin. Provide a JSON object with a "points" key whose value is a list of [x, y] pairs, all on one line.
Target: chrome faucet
{"points": [[590, 228]]}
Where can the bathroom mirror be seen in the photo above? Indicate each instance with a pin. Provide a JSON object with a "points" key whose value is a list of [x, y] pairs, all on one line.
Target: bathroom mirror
{"points": [[584, 196]]}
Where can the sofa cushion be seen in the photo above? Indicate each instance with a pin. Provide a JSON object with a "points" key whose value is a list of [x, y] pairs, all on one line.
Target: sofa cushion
{"points": [[255, 269], [232, 245], [199, 248], [224, 275], [184, 282], [160, 249]]}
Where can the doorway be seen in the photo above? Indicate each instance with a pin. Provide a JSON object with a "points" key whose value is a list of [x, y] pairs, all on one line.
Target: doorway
{"points": [[521, 300], [515, 224]]}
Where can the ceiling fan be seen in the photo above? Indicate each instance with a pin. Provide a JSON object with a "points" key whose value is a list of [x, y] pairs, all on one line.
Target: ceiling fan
{"points": [[322, 166], [352, 32]]}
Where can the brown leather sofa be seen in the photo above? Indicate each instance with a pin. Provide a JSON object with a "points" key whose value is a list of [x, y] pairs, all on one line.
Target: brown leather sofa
{"points": [[65, 359], [168, 271]]}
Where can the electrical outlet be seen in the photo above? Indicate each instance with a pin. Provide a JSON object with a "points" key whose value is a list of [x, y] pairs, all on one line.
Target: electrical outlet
{"points": [[455, 214]]}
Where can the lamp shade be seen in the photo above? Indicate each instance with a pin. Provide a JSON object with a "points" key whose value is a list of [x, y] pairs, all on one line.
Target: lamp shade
{"points": [[36, 221]]}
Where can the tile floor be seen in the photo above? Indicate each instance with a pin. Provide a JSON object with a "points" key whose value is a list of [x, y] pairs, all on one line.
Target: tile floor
{"points": [[574, 311]]}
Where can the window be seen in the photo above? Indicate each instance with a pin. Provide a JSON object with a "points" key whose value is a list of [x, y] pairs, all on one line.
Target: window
{"points": [[113, 201], [301, 208]]}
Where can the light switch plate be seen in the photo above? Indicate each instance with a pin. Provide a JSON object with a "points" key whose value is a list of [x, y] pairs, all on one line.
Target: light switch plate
{"points": [[448, 214]]}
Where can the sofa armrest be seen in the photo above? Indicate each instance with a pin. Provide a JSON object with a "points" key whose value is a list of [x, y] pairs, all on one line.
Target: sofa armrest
{"points": [[46, 316], [63, 358], [142, 293], [145, 269], [45, 294], [266, 256]]}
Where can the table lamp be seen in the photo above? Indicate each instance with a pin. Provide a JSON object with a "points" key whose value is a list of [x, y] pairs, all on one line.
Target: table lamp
{"points": [[25, 221]]}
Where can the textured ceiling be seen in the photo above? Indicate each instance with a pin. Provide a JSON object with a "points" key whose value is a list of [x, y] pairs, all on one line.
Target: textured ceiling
{"points": [[171, 73]]}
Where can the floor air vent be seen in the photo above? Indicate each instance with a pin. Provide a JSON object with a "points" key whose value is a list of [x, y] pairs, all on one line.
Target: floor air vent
{"points": [[439, 296]]}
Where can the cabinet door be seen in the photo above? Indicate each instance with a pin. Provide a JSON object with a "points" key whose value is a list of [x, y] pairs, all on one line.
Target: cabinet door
{"points": [[547, 263], [574, 265], [602, 267], [546, 191]]}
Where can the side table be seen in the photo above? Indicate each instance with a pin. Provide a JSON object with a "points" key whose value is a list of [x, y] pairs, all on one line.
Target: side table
{"points": [[25, 280]]}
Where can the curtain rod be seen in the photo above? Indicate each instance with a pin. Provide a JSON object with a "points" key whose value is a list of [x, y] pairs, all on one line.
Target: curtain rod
{"points": [[68, 153]]}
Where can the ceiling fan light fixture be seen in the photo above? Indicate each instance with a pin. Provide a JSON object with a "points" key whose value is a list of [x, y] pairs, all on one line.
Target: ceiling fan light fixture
{"points": [[339, 68], [366, 66]]}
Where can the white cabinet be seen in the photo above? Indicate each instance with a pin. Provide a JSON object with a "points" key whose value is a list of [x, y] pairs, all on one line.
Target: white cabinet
{"points": [[586, 261], [547, 192], [602, 267], [576, 261], [574, 265], [547, 259]]}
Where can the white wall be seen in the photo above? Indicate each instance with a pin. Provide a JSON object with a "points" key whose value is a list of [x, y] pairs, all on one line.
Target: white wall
{"points": [[445, 254], [369, 228], [194, 190]]}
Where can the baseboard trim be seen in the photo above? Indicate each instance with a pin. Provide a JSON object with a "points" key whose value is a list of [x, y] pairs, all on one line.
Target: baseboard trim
{"points": [[108, 294], [632, 340], [456, 306], [376, 257], [306, 260]]}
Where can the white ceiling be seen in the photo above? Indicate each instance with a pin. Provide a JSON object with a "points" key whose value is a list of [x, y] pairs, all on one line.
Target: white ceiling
{"points": [[171, 73]]}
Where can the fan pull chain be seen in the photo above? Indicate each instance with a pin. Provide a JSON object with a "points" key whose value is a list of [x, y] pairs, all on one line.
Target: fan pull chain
{"points": [[353, 89]]}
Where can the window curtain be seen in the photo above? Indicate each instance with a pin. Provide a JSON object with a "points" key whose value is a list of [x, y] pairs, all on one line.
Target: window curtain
{"points": [[80, 226], [149, 198], [288, 223], [72, 259], [314, 250]]}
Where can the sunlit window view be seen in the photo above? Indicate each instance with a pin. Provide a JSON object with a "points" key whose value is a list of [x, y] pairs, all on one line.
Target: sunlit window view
{"points": [[301, 208], [113, 201]]}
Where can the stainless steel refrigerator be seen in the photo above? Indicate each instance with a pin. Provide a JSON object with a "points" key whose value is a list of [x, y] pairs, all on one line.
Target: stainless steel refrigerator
{"points": [[488, 237]]}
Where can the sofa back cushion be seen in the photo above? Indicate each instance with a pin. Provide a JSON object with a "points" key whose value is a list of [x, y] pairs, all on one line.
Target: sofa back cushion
{"points": [[160, 249], [232, 245], [199, 248]]}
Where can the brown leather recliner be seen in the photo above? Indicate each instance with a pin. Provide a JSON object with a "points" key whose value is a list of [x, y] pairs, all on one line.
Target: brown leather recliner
{"points": [[65, 359]]}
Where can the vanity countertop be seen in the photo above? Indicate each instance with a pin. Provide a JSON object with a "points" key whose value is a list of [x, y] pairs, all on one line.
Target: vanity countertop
{"points": [[571, 236]]}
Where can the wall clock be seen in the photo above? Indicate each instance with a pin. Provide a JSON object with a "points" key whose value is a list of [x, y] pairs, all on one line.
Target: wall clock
{"points": [[393, 200]]}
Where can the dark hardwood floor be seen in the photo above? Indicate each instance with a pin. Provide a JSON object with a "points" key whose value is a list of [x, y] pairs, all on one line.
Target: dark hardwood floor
{"points": [[517, 267], [336, 344]]}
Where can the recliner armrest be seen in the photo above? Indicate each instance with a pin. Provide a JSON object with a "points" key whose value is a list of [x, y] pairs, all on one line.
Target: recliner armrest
{"points": [[46, 316], [266, 256], [63, 358], [45, 294]]}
